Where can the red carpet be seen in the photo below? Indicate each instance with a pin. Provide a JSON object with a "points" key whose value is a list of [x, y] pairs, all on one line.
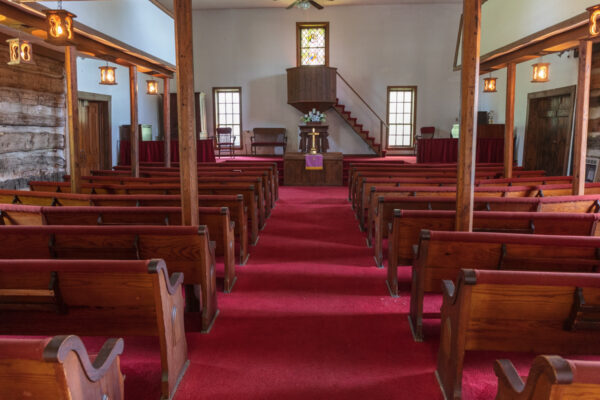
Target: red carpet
{"points": [[310, 318]]}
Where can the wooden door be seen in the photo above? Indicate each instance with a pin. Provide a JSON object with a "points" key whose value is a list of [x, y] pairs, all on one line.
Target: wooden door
{"points": [[95, 146], [549, 130]]}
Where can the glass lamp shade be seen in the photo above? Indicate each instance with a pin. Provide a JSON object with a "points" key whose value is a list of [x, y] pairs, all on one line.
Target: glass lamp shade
{"points": [[59, 27], [489, 85], [108, 76], [152, 87], [303, 5], [20, 52], [541, 72], [594, 20]]}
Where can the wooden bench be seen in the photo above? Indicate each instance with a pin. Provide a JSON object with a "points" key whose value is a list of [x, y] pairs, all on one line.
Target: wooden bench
{"points": [[257, 139], [185, 249], [98, 298], [235, 204], [517, 311], [255, 213], [550, 378], [408, 224], [440, 255], [380, 212], [59, 368], [216, 219]]}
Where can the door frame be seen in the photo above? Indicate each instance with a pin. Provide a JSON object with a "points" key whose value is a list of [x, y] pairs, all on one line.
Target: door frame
{"points": [[106, 161], [567, 90]]}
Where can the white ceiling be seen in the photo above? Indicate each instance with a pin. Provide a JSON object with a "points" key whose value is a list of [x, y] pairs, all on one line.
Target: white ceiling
{"points": [[223, 4]]}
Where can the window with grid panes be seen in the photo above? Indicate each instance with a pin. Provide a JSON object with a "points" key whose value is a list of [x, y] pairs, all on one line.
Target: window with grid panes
{"points": [[228, 111], [312, 43], [401, 115]]}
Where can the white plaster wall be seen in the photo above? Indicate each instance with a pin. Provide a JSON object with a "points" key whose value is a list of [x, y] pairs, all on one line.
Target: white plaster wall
{"points": [[138, 23], [88, 76], [563, 72], [372, 46]]}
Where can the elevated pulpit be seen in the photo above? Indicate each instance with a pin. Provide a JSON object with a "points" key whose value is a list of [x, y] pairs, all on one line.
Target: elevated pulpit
{"points": [[322, 139]]}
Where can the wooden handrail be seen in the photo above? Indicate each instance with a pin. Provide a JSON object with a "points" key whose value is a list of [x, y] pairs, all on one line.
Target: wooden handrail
{"points": [[361, 99]]}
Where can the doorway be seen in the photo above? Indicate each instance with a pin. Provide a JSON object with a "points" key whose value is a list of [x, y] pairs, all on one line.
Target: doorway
{"points": [[95, 128], [549, 130]]}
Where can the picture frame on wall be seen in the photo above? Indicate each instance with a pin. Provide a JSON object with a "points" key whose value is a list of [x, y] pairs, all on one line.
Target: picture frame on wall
{"points": [[591, 169]]}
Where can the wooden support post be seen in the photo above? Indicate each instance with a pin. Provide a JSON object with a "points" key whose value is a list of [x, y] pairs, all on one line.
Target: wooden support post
{"points": [[167, 121], [73, 118], [509, 122], [467, 142], [134, 133], [188, 165], [581, 116]]}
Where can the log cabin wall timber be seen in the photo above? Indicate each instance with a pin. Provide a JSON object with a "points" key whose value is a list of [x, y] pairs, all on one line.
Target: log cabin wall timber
{"points": [[32, 120]]}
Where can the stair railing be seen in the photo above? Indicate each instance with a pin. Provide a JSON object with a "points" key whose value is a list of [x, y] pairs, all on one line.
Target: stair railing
{"points": [[383, 126]]}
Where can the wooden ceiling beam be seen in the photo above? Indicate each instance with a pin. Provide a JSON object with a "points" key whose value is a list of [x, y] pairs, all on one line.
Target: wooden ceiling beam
{"points": [[88, 41]]}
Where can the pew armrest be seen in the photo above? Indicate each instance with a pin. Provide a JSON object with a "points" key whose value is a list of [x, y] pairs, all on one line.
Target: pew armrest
{"points": [[508, 376], [415, 249], [448, 288]]}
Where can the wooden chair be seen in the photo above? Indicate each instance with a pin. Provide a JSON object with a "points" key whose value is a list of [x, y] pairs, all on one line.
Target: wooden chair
{"points": [[30, 368], [516, 311], [426, 132], [187, 249], [225, 142], [98, 298], [550, 378], [440, 256]]}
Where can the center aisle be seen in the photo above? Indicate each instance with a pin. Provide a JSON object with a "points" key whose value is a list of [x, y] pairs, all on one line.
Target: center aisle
{"points": [[310, 317]]}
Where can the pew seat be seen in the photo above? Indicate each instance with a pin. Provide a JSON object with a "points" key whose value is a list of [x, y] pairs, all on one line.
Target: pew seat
{"points": [[185, 249], [515, 311], [98, 298], [441, 255], [550, 378], [216, 219]]}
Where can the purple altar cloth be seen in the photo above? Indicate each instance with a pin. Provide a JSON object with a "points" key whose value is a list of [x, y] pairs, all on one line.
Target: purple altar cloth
{"points": [[314, 161]]}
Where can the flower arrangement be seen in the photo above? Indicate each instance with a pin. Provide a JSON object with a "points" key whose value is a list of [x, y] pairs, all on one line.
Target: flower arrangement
{"points": [[313, 116]]}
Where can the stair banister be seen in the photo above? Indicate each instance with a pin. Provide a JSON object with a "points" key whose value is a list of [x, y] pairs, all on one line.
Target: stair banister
{"points": [[382, 123]]}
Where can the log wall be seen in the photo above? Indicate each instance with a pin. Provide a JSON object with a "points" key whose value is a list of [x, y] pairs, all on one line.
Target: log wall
{"points": [[32, 120]]}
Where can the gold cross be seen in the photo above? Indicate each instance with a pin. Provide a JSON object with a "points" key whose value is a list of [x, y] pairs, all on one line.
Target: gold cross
{"points": [[314, 134]]}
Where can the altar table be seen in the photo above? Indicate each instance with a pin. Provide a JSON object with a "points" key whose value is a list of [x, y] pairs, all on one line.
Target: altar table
{"points": [[446, 150], [296, 174], [155, 151]]}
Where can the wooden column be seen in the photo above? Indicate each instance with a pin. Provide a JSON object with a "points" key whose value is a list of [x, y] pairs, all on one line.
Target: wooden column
{"points": [[167, 121], [581, 116], [509, 122], [73, 118], [188, 165], [134, 133], [467, 142]]}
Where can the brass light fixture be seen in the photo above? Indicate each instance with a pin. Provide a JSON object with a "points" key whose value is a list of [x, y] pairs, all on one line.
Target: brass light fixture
{"points": [[20, 52], [594, 20], [59, 26], [541, 72], [489, 84], [108, 75], [152, 87]]}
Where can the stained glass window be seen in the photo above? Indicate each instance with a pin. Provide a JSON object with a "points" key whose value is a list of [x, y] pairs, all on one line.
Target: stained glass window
{"points": [[401, 116], [228, 111], [312, 39]]}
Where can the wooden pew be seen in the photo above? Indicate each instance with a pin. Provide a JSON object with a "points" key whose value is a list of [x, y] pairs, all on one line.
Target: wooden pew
{"points": [[380, 211], [185, 249], [30, 368], [518, 311], [408, 224], [254, 213], [550, 378], [441, 254], [98, 298], [235, 203], [216, 219]]}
